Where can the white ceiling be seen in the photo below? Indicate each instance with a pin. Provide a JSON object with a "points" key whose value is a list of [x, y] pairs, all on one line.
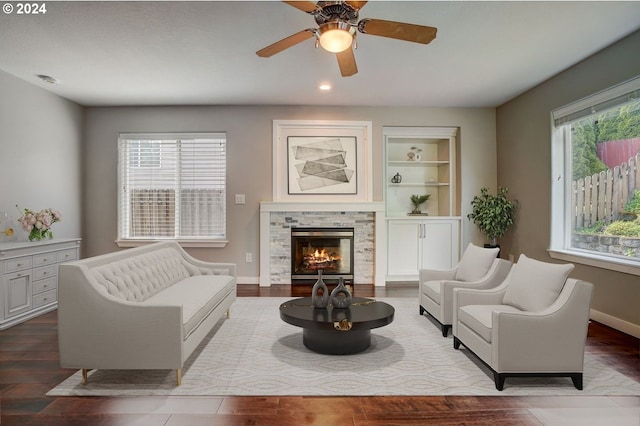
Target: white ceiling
{"points": [[203, 53]]}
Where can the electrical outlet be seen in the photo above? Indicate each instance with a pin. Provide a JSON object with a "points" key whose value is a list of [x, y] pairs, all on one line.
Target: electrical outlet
{"points": [[240, 199], [248, 257]]}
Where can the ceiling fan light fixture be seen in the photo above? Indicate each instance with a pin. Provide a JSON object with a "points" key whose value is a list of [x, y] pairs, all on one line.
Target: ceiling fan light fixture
{"points": [[336, 37]]}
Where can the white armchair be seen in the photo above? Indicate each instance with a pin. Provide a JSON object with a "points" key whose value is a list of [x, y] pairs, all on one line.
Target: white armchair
{"points": [[533, 324], [477, 269]]}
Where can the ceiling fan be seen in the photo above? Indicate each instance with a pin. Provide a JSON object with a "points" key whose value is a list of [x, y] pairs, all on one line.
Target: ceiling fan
{"points": [[337, 24]]}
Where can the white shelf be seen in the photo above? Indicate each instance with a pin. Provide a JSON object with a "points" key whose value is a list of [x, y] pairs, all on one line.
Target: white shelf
{"points": [[418, 184], [420, 163], [433, 174]]}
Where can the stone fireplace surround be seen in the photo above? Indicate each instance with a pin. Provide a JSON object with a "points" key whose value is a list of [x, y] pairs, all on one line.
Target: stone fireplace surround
{"points": [[277, 219]]}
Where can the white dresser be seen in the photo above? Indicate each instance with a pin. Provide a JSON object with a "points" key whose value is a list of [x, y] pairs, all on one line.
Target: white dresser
{"points": [[30, 277]]}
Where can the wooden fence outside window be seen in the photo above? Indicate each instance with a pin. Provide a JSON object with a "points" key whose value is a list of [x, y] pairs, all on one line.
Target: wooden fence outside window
{"points": [[602, 197], [153, 213]]}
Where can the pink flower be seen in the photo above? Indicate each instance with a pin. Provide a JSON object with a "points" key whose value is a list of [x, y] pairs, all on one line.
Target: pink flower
{"points": [[38, 224]]}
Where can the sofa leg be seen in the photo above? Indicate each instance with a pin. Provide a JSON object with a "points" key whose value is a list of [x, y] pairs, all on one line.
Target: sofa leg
{"points": [[577, 380], [499, 379], [179, 376], [445, 330], [84, 375], [422, 310], [228, 313], [456, 343]]}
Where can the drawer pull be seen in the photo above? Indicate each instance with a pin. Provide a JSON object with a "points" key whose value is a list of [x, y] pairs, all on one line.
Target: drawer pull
{"points": [[45, 273], [18, 264], [45, 259], [45, 286], [45, 299]]}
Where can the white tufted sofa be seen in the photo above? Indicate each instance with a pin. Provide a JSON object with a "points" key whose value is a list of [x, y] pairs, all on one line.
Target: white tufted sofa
{"points": [[143, 308]]}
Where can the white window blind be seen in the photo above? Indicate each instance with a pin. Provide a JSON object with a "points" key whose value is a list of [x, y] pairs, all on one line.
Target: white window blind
{"points": [[172, 186], [601, 101]]}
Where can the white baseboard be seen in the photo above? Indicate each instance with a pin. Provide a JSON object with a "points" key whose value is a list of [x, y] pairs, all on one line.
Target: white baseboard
{"points": [[617, 323], [248, 280]]}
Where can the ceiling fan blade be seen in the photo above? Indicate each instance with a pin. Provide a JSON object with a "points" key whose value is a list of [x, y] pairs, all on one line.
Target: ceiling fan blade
{"points": [[397, 30], [305, 6], [347, 62], [285, 43], [357, 5]]}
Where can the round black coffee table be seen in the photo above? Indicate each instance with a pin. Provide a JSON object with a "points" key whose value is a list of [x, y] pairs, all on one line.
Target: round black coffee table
{"points": [[337, 331]]}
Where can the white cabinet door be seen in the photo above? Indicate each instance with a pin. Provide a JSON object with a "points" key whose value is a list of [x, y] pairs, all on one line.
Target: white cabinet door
{"points": [[403, 249], [18, 293], [439, 245], [414, 244]]}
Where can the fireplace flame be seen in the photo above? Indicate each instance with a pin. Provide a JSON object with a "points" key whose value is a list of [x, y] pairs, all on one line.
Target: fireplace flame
{"points": [[321, 258]]}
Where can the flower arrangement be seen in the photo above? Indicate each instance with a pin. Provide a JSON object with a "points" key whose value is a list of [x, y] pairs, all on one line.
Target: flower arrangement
{"points": [[38, 225]]}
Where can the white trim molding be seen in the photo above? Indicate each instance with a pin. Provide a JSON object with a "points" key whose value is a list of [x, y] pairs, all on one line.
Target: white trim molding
{"points": [[361, 130], [593, 259], [617, 323]]}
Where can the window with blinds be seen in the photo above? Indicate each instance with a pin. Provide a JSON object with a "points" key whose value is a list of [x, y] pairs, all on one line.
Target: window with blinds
{"points": [[172, 186]]}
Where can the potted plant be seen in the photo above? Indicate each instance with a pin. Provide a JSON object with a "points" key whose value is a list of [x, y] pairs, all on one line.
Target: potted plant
{"points": [[417, 200], [492, 213]]}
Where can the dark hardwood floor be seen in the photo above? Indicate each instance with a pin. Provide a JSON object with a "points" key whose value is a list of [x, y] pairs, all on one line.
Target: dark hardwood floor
{"points": [[29, 368]]}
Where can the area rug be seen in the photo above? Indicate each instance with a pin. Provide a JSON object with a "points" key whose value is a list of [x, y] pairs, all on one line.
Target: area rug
{"points": [[256, 353]]}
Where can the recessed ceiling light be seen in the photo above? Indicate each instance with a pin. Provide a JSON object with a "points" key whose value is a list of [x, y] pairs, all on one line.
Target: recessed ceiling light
{"points": [[325, 87], [48, 79]]}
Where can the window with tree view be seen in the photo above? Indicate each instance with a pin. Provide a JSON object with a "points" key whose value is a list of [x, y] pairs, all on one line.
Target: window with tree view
{"points": [[596, 198], [172, 187]]}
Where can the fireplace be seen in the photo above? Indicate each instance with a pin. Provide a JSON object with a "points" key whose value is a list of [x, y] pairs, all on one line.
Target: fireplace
{"points": [[328, 249]]}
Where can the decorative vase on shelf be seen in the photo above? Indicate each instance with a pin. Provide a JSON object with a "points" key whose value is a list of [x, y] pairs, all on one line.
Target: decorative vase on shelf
{"points": [[340, 296], [397, 178], [320, 293]]}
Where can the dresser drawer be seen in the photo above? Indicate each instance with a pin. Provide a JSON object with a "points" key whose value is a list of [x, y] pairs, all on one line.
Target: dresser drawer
{"points": [[18, 264], [44, 259], [45, 272], [45, 285], [44, 298], [67, 255]]}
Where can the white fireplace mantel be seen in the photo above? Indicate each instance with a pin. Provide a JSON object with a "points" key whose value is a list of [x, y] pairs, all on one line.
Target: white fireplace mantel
{"points": [[266, 208], [321, 207]]}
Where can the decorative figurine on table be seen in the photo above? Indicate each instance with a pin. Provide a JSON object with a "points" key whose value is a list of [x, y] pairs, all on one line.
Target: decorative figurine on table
{"points": [[320, 293], [340, 296]]}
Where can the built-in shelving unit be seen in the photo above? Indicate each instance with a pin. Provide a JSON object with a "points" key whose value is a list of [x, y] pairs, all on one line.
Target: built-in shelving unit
{"points": [[424, 159], [417, 161]]}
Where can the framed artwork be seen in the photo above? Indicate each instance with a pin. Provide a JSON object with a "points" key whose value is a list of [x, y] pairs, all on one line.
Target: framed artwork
{"points": [[322, 161], [322, 165]]}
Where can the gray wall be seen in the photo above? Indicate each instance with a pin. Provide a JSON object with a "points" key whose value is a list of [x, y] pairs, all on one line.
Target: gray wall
{"points": [[524, 165], [249, 135], [40, 151]]}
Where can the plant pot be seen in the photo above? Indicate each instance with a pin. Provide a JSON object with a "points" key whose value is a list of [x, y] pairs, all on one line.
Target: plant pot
{"points": [[493, 246]]}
